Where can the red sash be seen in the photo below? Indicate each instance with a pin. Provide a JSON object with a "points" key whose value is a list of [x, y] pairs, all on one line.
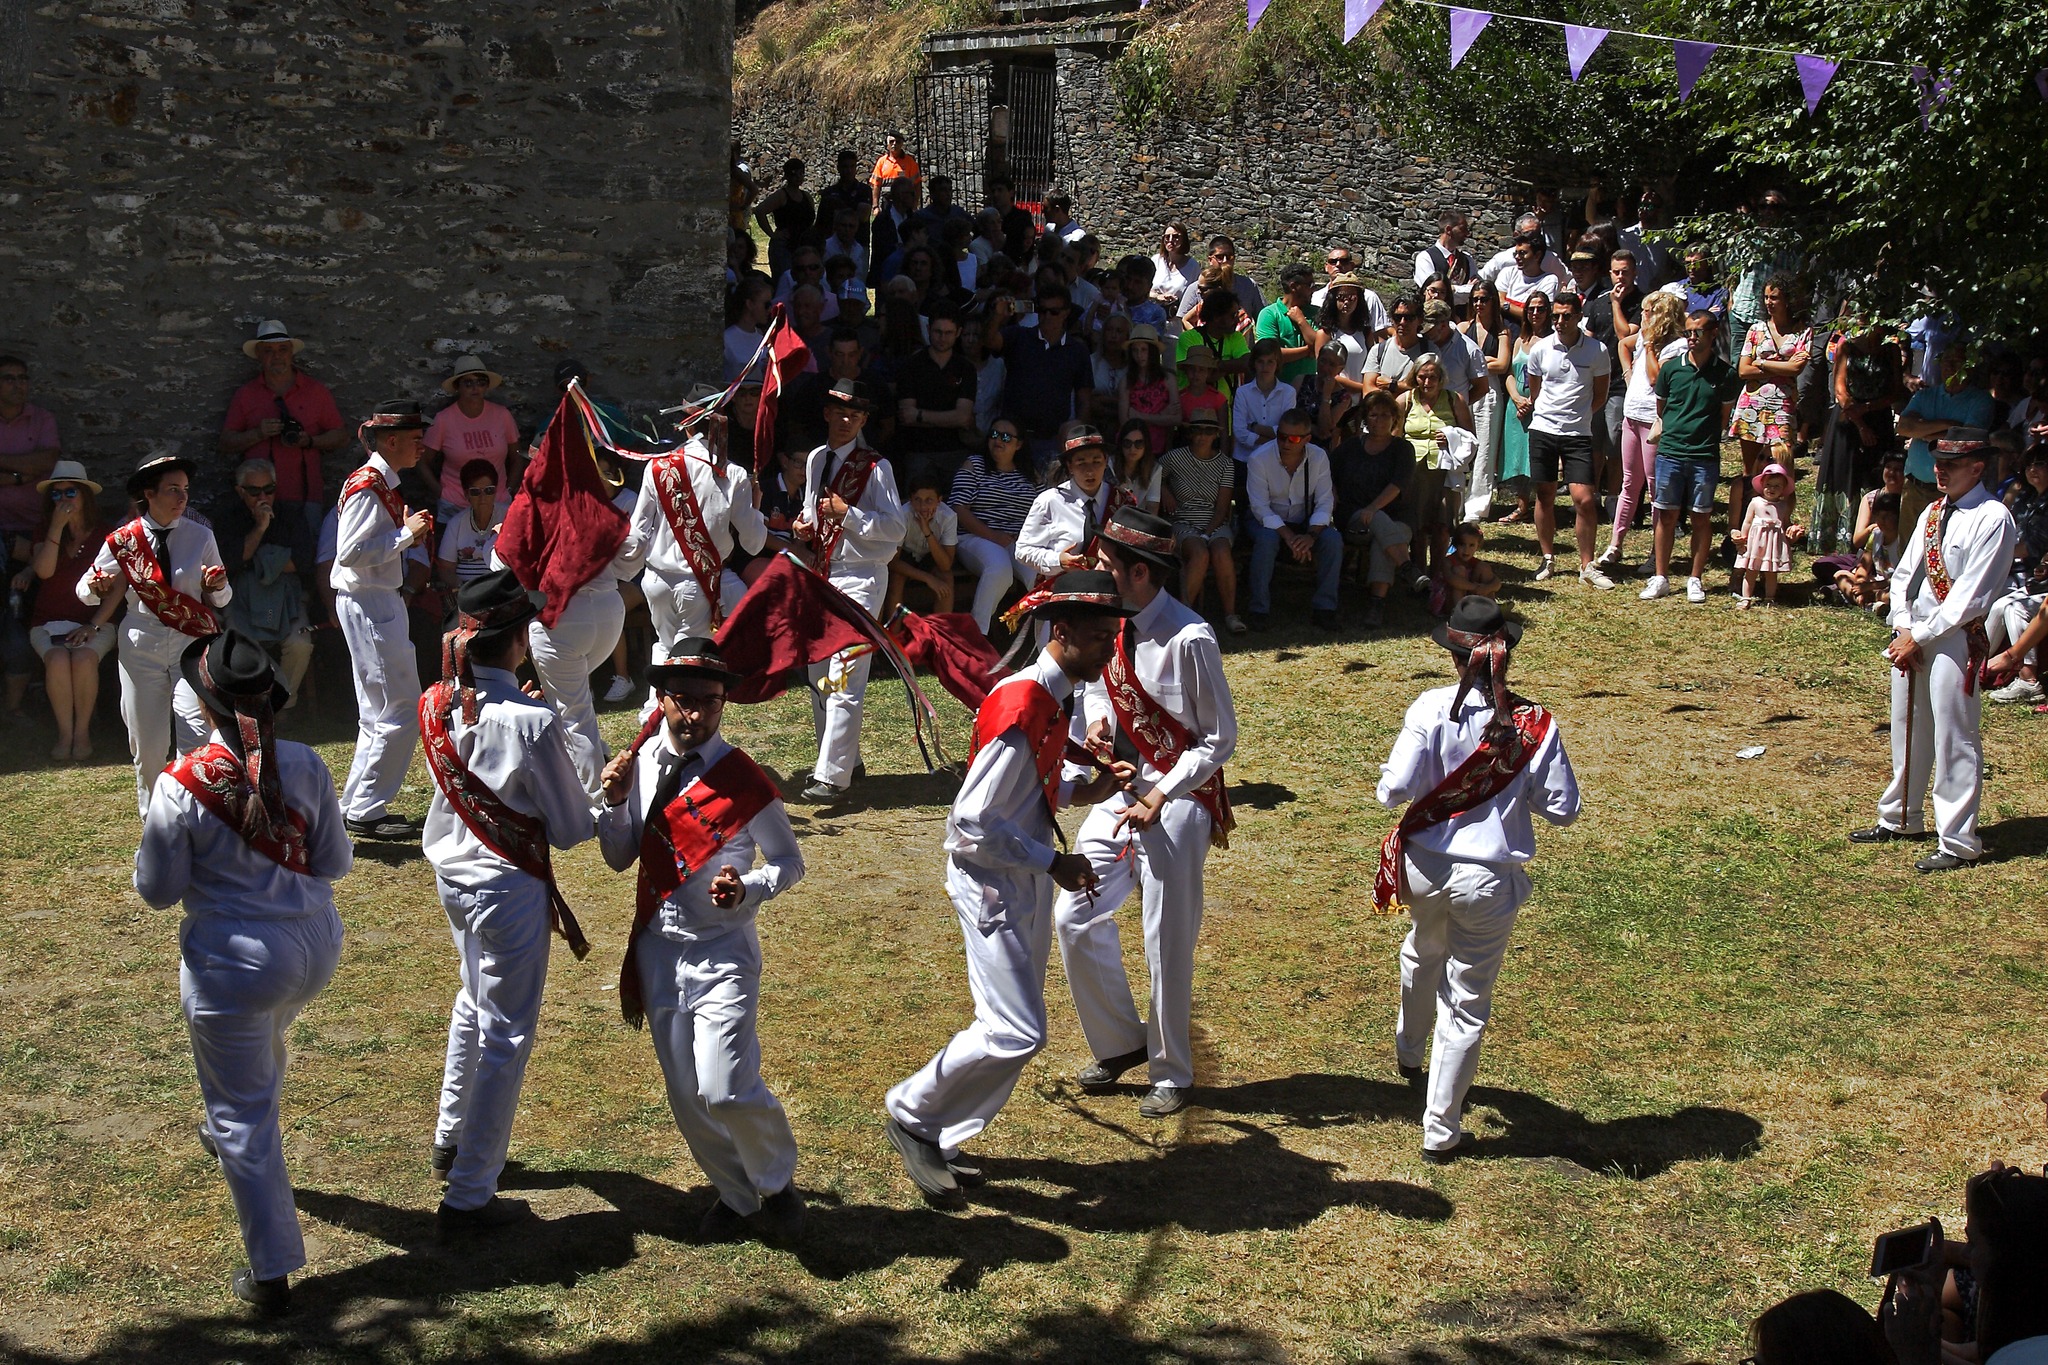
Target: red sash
{"points": [[1027, 706], [369, 477], [1485, 774], [1937, 578], [216, 779], [681, 840], [1161, 739], [152, 583], [671, 475], [520, 839], [849, 483]]}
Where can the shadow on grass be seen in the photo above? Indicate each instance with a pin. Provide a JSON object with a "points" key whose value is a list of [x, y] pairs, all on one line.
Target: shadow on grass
{"points": [[884, 791], [1638, 1146], [1536, 1348], [2023, 836]]}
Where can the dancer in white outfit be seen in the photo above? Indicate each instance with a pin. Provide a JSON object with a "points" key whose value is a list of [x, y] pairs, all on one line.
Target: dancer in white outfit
{"points": [[1162, 709], [1953, 568], [173, 576], [505, 792], [583, 637], [1474, 761], [246, 831], [694, 506], [373, 533], [854, 521], [694, 811], [1001, 870]]}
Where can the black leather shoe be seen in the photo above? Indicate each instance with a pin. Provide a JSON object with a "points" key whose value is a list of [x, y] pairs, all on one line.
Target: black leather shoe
{"points": [[492, 1216], [1445, 1156], [823, 793], [268, 1297], [782, 1215], [1942, 862], [386, 826], [1416, 1076], [923, 1164], [442, 1161], [1100, 1075], [722, 1223], [1163, 1101], [1877, 834]]}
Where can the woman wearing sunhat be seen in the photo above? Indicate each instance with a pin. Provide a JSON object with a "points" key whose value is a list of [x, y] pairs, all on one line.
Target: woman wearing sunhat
{"points": [[174, 582], [67, 538], [473, 427]]}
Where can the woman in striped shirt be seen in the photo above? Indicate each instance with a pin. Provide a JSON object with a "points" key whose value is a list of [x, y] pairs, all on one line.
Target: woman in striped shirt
{"points": [[991, 496]]}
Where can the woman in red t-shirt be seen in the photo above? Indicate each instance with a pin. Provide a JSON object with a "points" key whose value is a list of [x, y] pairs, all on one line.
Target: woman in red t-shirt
{"points": [[67, 539]]}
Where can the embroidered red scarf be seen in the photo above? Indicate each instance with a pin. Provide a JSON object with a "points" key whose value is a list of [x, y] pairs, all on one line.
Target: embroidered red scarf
{"points": [[218, 780], [1029, 707], [849, 483], [520, 839], [1160, 738], [685, 517], [1485, 774], [369, 477], [1978, 642], [152, 583]]}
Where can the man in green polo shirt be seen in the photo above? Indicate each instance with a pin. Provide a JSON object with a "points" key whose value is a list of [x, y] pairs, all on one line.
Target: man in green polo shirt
{"points": [[1694, 394], [1285, 319]]}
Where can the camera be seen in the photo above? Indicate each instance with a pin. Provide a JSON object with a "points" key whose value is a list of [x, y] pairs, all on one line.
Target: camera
{"points": [[289, 431], [1906, 1249]]}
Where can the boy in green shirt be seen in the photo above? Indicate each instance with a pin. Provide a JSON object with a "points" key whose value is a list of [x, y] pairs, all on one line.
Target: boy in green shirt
{"points": [[1694, 394]]}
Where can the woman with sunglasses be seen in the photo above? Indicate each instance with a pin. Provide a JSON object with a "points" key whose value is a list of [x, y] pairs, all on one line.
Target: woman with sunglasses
{"points": [[1514, 436], [473, 427], [1134, 474], [67, 537], [991, 496], [466, 544], [1173, 269], [266, 551]]}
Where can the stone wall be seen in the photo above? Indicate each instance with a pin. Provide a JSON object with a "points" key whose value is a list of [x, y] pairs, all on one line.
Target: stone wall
{"points": [[399, 180]]}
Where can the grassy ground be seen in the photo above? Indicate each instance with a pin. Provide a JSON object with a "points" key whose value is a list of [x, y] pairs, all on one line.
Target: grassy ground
{"points": [[1728, 1049]]}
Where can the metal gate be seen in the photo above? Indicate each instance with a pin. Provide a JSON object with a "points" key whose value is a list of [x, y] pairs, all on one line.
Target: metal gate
{"points": [[1037, 133], [951, 116]]}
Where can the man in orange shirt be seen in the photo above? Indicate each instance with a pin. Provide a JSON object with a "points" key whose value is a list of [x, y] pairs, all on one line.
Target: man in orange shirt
{"points": [[895, 164]]}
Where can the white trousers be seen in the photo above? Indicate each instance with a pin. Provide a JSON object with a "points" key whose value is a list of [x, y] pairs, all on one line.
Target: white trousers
{"points": [[241, 983], [1487, 416], [1463, 914], [502, 935], [387, 675], [157, 706], [995, 569], [564, 655], [1009, 938], [840, 685], [1165, 862], [1948, 745], [2010, 616], [679, 610], [703, 1005]]}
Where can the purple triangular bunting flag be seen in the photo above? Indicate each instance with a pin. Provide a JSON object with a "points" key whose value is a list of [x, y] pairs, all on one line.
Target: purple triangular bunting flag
{"points": [[1465, 27], [1357, 14], [1254, 11], [1814, 75], [1934, 89], [1692, 59], [1580, 44]]}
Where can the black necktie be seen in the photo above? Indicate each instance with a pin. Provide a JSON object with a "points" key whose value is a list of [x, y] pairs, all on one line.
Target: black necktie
{"points": [[160, 537], [1948, 509], [670, 786], [1091, 524]]}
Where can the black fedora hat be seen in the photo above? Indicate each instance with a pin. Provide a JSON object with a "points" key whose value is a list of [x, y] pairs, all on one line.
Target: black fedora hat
{"points": [[1088, 590], [397, 414], [493, 604], [1472, 622], [1962, 443], [155, 467], [231, 668], [695, 657], [1143, 535], [857, 394]]}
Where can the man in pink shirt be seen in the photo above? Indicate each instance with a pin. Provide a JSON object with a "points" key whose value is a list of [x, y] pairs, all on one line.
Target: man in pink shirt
{"points": [[471, 428], [285, 417], [28, 450]]}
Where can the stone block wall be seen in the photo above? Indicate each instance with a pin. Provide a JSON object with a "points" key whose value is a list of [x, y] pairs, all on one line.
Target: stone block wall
{"points": [[400, 180]]}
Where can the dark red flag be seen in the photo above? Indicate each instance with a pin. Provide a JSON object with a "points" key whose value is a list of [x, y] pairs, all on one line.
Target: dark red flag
{"points": [[953, 648], [787, 356], [561, 529]]}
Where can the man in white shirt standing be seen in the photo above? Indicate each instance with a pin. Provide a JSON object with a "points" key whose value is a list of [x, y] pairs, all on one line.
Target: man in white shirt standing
{"points": [[1293, 504], [1566, 384], [1954, 567], [373, 533], [854, 521], [1473, 761], [1163, 717], [1446, 256], [1524, 268]]}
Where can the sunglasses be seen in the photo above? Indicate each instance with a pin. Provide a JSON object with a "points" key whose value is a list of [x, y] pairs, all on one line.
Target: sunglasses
{"points": [[1341, 262], [1004, 436], [1135, 443], [57, 493], [1404, 317], [260, 490], [1293, 440]]}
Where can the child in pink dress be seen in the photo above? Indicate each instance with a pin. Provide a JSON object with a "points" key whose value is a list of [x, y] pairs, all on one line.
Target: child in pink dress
{"points": [[1767, 534]]}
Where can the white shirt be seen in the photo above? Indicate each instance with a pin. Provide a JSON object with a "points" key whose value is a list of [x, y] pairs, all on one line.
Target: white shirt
{"points": [[853, 251], [999, 822], [1433, 743], [1280, 498], [1640, 402], [189, 853], [1564, 398], [192, 551], [467, 548], [873, 528], [1464, 368], [1976, 548], [725, 496], [1251, 405], [1175, 655], [1551, 277], [369, 551], [516, 748], [1174, 277], [740, 347], [945, 526], [688, 913], [1425, 268], [1057, 521]]}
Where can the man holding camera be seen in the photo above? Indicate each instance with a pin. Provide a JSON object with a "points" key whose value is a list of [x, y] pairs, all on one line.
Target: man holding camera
{"points": [[286, 417]]}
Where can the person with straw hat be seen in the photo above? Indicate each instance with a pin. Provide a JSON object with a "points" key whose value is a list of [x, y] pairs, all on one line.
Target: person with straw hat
{"points": [[1473, 761], [473, 427], [245, 830], [285, 416], [169, 570]]}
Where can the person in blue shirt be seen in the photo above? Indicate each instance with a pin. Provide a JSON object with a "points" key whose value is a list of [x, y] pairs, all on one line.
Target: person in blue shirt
{"points": [[1954, 402]]}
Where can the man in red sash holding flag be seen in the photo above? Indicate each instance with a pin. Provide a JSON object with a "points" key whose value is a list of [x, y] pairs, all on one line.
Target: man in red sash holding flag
{"points": [[694, 812], [1001, 871], [854, 521], [246, 831], [1162, 712], [1953, 568], [505, 792], [175, 580], [1473, 760]]}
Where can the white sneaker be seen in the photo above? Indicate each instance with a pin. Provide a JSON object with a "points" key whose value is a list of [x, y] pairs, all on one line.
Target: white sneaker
{"points": [[2019, 689], [1609, 557], [1547, 569], [621, 688], [1593, 578], [1658, 586], [1695, 591]]}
